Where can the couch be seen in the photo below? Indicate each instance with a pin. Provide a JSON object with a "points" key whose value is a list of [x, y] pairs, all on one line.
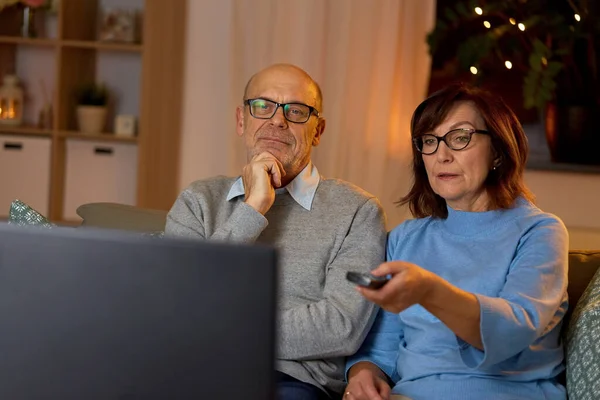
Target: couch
{"points": [[582, 263], [582, 323]]}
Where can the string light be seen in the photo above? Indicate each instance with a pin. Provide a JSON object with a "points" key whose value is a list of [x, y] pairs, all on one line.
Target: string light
{"points": [[473, 70], [478, 11], [544, 61], [487, 24], [521, 26], [577, 17], [508, 64], [512, 21]]}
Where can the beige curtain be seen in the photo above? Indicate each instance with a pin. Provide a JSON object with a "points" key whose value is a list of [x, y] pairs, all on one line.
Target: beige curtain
{"points": [[370, 58]]}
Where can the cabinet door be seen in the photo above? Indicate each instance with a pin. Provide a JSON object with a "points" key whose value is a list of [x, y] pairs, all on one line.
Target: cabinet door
{"points": [[24, 172], [99, 172]]}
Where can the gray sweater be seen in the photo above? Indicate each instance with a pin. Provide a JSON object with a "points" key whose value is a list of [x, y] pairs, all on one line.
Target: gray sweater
{"points": [[322, 319]]}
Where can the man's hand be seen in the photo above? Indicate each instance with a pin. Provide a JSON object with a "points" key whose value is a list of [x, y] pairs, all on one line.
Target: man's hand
{"points": [[366, 382], [261, 176]]}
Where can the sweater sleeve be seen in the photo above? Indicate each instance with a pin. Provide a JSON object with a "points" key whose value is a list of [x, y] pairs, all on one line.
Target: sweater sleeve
{"points": [[381, 345], [337, 325], [186, 218], [529, 305]]}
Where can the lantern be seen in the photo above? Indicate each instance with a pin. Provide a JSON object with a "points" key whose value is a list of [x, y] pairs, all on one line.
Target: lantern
{"points": [[11, 101]]}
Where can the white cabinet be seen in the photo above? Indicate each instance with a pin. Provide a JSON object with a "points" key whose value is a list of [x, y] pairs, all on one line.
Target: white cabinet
{"points": [[24, 172], [99, 172]]}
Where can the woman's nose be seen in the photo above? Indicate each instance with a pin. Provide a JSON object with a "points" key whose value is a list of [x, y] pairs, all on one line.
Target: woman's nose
{"points": [[444, 153]]}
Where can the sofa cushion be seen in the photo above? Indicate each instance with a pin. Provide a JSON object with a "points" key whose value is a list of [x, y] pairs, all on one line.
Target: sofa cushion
{"points": [[21, 213], [121, 216], [582, 266], [582, 342]]}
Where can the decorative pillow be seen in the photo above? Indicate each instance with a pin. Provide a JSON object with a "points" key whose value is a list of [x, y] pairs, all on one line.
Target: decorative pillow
{"points": [[22, 214], [582, 345]]}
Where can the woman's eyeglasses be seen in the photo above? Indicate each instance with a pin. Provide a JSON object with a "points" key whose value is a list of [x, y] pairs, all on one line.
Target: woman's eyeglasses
{"points": [[456, 139]]}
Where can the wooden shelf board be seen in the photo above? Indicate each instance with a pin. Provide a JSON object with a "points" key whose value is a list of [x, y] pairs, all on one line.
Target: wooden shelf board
{"points": [[24, 130], [85, 44], [104, 137], [28, 41]]}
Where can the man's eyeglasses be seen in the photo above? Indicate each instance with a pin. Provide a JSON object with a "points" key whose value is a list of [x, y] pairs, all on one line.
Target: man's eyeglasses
{"points": [[294, 112], [456, 139]]}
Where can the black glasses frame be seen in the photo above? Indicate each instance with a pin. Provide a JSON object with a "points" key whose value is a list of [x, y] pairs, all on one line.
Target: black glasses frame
{"points": [[312, 110], [443, 139]]}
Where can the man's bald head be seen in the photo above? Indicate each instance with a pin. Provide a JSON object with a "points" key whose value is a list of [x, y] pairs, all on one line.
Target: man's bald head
{"points": [[288, 141], [274, 70]]}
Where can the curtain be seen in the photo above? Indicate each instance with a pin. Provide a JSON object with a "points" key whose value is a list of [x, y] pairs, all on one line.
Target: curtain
{"points": [[369, 57]]}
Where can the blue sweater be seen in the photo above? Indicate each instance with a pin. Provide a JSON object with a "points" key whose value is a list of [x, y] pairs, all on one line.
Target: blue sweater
{"points": [[515, 262]]}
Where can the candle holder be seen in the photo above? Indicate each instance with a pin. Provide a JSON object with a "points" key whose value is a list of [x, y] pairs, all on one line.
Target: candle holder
{"points": [[11, 101]]}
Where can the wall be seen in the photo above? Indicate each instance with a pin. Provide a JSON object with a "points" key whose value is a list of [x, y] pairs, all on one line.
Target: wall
{"points": [[575, 198], [206, 82]]}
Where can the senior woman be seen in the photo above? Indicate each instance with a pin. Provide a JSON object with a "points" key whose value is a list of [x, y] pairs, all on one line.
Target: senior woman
{"points": [[474, 306]]}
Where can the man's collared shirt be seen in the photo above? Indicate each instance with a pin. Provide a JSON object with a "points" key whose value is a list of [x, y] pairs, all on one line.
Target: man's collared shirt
{"points": [[302, 188]]}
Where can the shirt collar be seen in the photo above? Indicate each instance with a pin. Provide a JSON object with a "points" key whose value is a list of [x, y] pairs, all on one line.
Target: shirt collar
{"points": [[302, 188]]}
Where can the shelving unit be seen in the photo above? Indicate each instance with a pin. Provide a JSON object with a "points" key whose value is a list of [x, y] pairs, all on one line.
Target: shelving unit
{"points": [[72, 56]]}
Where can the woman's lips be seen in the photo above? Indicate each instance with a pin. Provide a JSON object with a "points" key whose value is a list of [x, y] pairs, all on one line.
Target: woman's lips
{"points": [[447, 177]]}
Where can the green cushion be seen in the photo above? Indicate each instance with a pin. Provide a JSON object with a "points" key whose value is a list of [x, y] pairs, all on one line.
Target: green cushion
{"points": [[22, 214], [582, 345]]}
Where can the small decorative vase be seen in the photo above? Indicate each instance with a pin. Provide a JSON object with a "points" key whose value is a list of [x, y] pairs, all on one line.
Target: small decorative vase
{"points": [[28, 25]]}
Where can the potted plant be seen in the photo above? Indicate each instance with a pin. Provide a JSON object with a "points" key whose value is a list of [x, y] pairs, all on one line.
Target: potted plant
{"points": [[92, 102], [554, 46]]}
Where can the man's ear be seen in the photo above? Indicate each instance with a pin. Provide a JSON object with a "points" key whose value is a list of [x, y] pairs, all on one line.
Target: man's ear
{"points": [[319, 131], [239, 120]]}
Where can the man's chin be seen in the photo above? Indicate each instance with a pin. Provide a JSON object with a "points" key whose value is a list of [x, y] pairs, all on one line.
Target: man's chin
{"points": [[277, 154]]}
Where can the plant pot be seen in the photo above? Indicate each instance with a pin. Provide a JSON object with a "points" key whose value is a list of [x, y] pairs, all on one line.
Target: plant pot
{"points": [[91, 119], [571, 134]]}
